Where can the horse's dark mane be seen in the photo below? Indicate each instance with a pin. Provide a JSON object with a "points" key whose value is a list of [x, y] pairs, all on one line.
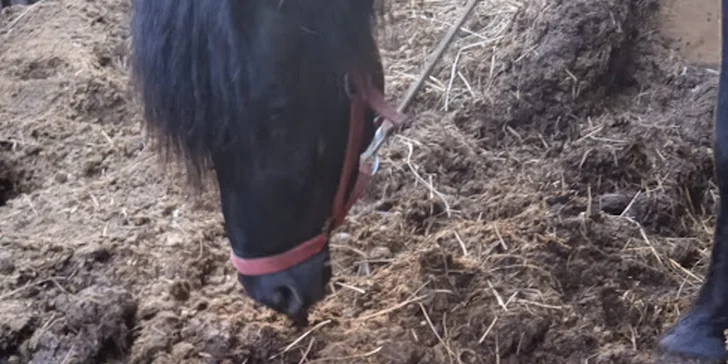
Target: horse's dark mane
{"points": [[214, 73]]}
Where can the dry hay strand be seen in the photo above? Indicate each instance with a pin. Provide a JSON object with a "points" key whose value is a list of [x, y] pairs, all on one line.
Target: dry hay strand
{"points": [[457, 80]]}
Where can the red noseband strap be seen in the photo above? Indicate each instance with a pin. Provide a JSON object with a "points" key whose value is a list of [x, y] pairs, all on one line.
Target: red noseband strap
{"points": [[366, 95], [277, 263]]}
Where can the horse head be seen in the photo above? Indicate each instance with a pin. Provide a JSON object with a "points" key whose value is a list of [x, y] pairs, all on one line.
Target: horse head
{"points": [[279, 99]]}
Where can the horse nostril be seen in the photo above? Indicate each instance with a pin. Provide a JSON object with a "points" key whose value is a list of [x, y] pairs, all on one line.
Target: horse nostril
{"points": [[282, 297], [287, 300]]}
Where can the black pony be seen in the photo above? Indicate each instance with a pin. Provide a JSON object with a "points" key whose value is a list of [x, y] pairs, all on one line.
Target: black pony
{"points": [[698, 336], [278, 97]]}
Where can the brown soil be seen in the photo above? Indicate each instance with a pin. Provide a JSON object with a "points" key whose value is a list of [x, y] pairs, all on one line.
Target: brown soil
{"points": [[693, 27], [553, 202]]}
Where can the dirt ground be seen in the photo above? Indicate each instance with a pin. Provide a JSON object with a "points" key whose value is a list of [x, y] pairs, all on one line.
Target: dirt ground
{"points": [[694, 28], [553, 203]]}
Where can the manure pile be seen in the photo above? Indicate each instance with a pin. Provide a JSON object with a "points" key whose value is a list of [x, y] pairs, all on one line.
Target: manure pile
{"points": [[552, 203]]}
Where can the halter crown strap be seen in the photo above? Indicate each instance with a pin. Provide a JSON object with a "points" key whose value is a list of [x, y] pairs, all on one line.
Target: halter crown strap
{"points": [[366, 95]]}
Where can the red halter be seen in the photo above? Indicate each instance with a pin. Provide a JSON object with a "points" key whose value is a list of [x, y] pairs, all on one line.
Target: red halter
{"points": [[366, 95]]}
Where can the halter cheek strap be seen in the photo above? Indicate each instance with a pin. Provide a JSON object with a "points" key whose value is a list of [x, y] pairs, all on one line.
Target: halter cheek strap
{"points": [[366, 95]]}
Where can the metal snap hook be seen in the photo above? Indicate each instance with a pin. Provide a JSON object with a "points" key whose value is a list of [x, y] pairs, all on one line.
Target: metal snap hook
{"points": [[380, 136]]}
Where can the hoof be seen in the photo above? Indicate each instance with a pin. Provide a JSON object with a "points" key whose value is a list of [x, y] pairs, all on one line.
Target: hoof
{"points": [[675, 358], [693, 340], [686, 345]]}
